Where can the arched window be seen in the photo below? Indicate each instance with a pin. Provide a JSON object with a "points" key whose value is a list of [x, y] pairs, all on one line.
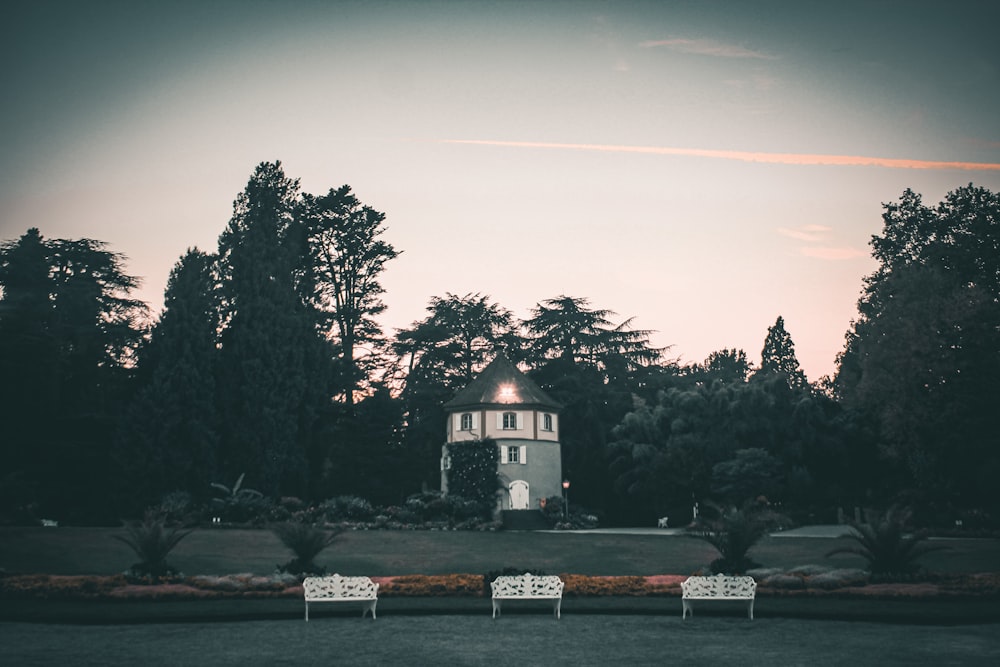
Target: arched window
{"points": [[466, 421], [546, 422], [509, 421]]}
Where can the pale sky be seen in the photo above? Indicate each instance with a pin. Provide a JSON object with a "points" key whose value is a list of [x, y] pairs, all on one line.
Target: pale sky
{"points": [[703, 167]]}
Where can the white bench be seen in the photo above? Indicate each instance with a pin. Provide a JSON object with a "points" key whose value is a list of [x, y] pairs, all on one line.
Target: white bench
{"points": [[718, 587], [527, 587], [336, 588]]}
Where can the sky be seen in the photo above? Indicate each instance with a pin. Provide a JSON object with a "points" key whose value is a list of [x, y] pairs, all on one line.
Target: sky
{"points": [[700, 167]]}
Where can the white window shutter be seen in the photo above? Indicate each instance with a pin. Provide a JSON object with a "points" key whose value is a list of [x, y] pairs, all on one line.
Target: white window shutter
{"points": [[503, 455], [520, 421], [499, 420], [523, 454], [475, 421]]}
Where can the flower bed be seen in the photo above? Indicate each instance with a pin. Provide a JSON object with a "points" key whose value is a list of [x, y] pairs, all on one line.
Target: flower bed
{"points": [[118, 587]]}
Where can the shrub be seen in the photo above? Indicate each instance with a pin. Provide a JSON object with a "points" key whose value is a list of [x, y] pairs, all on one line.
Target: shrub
{"points": [[239, 504], [305, 542], [152, 540], [348, 508], [177, 507], [473, 472], [890, 552], [733, 532]]}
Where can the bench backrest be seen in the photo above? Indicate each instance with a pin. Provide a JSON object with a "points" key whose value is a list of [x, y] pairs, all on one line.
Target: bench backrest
{"points": [[336, 586], [719, 586], [527, 585]]}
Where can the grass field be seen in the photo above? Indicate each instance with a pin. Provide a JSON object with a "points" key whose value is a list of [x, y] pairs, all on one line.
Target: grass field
{"points": [[387, 553], [460, 631]]}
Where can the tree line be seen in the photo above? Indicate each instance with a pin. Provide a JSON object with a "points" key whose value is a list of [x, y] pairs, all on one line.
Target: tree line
{"points": [[267, 361]]}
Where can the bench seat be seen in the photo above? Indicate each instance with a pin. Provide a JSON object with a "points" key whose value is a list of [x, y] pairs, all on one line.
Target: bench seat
{"points": [[718, 587], [527, 587], [336, 588]]}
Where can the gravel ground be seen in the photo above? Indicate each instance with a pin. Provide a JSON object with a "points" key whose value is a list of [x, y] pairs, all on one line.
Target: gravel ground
{"points": [[515, 639]]}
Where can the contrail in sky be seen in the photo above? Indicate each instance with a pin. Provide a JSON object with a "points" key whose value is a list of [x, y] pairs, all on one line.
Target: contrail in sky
{"points": [[746, 156]]}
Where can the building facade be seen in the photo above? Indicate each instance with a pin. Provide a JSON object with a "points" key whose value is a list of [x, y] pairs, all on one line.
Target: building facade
{"points": [[504, 405]]}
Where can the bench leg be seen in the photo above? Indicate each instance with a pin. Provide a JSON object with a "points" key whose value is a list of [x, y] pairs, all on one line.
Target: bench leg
{"points": [[369, 607], [307, 612], [686, 609], [558, 608], [750, 609], [496, 608]]}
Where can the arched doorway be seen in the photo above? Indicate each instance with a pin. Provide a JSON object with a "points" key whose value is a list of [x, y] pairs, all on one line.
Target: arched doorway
{"points": [[519, 495]]}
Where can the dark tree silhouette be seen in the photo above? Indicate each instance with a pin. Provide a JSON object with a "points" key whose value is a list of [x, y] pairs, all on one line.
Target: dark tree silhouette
{"points": [[778, 357], [346, 259], [69, 330], [922, 359], [274, 374], [441, 354], [169, 439]]}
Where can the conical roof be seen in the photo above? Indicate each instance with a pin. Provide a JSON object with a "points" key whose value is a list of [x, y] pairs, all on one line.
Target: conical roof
{"points": [[501, 384]]}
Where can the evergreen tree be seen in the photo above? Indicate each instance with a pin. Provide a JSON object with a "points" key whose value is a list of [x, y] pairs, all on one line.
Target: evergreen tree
{"points": [[274, 374], [69, 330], [778, 357], [726, 366], [170, 436], [593, 368], [438, 356], [566, 328]]}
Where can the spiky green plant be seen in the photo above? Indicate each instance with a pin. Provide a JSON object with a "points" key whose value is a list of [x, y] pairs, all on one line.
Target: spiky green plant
{"points": [[733, 532], [305, 542], [152, 540], [884, 541]]}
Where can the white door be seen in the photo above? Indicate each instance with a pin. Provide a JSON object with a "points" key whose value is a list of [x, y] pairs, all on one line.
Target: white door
{"points": [[519, 495]]}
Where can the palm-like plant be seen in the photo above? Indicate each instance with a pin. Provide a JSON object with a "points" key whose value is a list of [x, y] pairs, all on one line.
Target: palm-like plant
{"points": [[305, 542], [886, 544], [152, 540], [733, 532]]}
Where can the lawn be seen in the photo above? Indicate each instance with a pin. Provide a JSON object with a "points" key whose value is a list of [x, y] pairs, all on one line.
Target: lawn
{"points": [[92, 551], [386, 553]]}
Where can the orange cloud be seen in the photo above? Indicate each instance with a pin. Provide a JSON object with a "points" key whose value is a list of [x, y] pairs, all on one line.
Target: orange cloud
{"points": [[809, 159], [806, 232], [833, 253]]}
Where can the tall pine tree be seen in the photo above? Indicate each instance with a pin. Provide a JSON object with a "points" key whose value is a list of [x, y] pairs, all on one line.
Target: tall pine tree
{"points": [[778, 357], [169, 439], [273, 380]]}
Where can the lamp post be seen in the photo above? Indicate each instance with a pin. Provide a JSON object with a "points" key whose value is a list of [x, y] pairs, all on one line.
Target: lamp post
{"points": [[565, 499]]}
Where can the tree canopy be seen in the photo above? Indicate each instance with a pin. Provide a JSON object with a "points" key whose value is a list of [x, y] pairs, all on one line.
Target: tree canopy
{"points": [[268, 364], [921, 360]]}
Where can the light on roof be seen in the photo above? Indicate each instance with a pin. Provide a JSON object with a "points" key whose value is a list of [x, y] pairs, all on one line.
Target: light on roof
{"points": [[507, 392]]}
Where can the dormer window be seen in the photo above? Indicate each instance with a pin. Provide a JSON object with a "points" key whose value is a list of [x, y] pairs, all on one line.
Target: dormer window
{"points": [[466, 421]]}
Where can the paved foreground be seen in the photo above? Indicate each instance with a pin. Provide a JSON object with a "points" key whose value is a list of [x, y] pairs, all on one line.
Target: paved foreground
{"points": [[516, 639]]}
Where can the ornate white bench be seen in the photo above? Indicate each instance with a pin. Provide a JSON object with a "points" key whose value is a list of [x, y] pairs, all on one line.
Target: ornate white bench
{"points": [[527, 587], [718, 587], [336, 588]]}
